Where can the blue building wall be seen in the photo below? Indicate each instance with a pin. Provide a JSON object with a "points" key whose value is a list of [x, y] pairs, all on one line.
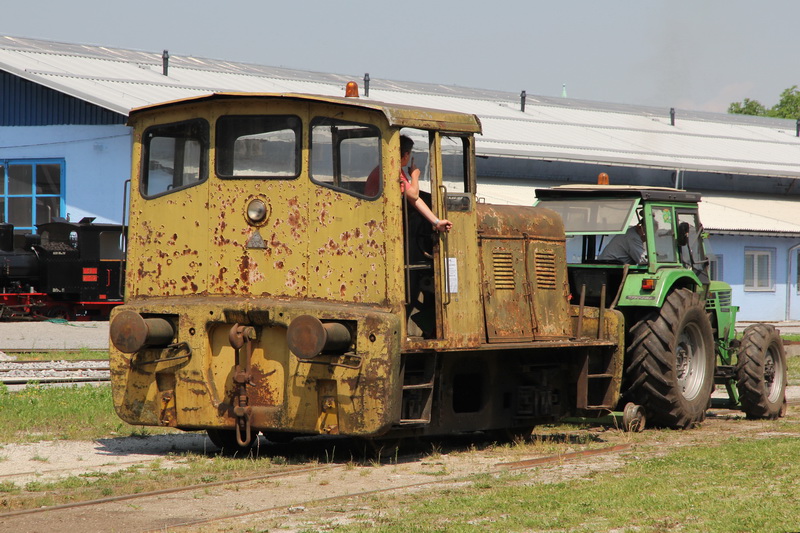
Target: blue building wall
{"points": [[780, 302], [97, 163], [23, 103]]}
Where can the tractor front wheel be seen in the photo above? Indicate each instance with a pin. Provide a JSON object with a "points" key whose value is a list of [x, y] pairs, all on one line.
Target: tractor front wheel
{"points": [[761, 372], [671, 359]]}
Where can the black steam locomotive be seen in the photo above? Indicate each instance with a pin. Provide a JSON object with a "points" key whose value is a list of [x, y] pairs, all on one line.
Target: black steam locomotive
{"points": [[67, 270]]}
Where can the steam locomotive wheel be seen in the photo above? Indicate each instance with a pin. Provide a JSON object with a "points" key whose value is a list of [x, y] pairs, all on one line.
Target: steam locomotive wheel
{"points": [[59, 311]]}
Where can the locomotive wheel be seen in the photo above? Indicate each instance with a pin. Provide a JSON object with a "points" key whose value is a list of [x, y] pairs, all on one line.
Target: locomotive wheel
{"points": [[761, 372], [279, 437], [382, 449], [515, 434], [225, 440], [671, 362], [59, 311]]}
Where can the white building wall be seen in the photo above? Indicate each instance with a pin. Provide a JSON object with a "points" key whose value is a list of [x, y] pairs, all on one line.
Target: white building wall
{"points": [[97, 163]]}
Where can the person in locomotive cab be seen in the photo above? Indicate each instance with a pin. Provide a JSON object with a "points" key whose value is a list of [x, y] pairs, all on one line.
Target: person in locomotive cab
{"points": [[628, 248], [409, 187]]}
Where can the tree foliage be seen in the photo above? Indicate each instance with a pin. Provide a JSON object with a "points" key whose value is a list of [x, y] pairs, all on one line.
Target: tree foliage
{"points": [[747, 107], [787, 107]]}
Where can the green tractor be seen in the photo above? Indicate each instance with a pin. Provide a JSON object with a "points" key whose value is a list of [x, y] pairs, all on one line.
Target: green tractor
{"points": [[642, 250]]}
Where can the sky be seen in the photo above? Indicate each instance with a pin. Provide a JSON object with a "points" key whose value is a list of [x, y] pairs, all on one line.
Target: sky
{"points": [[689, 54]]}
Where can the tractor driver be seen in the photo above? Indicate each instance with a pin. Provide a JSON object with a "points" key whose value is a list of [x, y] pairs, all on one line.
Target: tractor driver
{"points": [[628, 248]]}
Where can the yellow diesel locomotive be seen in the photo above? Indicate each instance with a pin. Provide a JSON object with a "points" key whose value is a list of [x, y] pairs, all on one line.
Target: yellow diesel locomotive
{"points": [[270, 288]]}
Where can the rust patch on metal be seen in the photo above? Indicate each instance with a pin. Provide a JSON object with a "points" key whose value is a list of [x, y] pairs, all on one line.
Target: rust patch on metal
{"points": [[248, 270], [262, 392]]}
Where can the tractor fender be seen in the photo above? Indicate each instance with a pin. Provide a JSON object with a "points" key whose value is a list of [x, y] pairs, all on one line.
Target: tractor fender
{"points": [[665, 281]]}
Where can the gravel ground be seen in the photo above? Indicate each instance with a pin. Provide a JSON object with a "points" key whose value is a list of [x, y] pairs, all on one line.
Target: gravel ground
{"points": [[56, 335]]}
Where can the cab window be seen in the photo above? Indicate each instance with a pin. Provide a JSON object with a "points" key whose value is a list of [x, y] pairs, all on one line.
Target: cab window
{"points": [[175, 157], [346, 156], [455, 173], [692, 254], [258, 146], [664, 234]]}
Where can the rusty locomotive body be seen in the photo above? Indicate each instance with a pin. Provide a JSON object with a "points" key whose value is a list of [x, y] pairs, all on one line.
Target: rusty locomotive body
{"points": [[270, 289]]}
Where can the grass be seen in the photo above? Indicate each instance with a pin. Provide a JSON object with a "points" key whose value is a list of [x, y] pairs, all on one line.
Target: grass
{"points": [[741, 485], [793, 369], [47, 413]]}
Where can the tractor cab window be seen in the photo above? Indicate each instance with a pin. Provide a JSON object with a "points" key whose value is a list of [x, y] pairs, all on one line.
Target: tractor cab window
{"points": [[663, 234], [258, 146], [346, 156], [174, 157], [591, 224], [690, 241]]}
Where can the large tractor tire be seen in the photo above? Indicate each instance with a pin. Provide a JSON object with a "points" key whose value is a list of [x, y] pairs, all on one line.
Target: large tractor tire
{"points": [[761, 372], [671, 362]]}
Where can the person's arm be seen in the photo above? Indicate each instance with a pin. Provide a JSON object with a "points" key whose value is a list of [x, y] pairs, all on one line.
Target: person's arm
{"points": [[425, 211], [412, 185]]}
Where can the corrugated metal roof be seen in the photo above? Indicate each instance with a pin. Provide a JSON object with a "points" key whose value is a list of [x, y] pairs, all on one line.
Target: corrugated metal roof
{"points": [[550, 128], [747, 215]]}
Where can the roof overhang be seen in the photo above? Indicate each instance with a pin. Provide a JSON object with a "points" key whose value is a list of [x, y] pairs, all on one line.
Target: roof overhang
{"points": [[599, 192], [397, 115]]}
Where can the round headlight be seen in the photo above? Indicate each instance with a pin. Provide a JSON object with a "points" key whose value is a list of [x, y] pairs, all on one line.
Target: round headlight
{"points": [[256, 211]]}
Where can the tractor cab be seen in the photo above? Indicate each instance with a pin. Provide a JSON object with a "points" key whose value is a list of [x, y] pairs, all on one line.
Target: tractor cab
{"points": [[628, 246]]}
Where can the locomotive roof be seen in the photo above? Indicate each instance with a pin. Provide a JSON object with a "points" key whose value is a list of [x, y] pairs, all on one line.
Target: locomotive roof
{"points": [[619, 191], [397, 115]]}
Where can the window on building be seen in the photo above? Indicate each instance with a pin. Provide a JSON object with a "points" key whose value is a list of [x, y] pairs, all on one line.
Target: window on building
{"points": [[715, 267], [31, 192], [797, 284], [758, 269]]}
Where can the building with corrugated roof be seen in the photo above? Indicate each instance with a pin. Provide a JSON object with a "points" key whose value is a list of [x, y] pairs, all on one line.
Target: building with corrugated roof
{"points": [[65, 148]]}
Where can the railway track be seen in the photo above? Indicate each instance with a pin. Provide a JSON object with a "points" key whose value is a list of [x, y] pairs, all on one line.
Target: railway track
{"points": [[21, 373], [292, 490]]}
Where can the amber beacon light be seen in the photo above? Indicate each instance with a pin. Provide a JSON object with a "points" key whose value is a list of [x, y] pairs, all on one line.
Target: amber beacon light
{"points": [[351, 90]]}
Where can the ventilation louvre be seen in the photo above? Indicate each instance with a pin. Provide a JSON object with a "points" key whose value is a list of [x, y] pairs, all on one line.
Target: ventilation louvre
{"points": [[545, 264], [503, 265]]}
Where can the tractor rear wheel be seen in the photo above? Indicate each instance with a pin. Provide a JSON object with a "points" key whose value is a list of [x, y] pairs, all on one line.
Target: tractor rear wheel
{"points": [[671, 361], [761, 372]]}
